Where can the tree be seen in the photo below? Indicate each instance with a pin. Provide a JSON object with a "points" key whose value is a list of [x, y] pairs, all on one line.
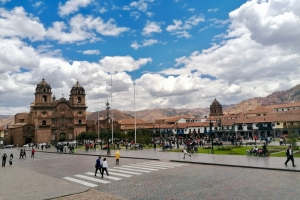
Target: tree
{"points": [[292, 138]]}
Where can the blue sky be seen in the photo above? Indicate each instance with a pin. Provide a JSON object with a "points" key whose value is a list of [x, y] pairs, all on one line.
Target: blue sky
{"points": [[181, 54]]}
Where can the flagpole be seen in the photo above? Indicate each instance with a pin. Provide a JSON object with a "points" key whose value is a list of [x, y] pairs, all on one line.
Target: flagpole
{"points": [[134, 109], [112, 121]]}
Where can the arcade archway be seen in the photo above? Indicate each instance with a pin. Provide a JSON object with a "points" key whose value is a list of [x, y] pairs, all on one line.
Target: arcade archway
{"points": [[62, 137], [28, 140]]}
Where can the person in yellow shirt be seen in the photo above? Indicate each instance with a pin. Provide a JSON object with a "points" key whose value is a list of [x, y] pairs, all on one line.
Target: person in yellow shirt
{"points": [[117, 156]]}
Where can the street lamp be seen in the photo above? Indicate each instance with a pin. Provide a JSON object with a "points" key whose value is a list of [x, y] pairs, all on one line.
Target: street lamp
{"points": [[107, 118], [211, 136], [177, 135], [219, 122], [36, 129]]}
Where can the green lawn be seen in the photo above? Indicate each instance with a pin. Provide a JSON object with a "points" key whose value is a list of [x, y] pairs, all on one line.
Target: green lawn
{"points": [[275, 151]]}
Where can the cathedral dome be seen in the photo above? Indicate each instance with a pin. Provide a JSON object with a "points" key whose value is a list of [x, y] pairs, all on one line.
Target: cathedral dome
{"points": [[215, 103], [43, 83], [77, 85]]}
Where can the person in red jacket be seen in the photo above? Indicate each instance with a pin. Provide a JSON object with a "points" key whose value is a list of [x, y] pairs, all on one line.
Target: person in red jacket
{"points": [[32, 152]]}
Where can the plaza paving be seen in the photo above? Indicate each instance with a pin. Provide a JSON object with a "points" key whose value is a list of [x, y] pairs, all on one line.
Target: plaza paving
{"points": [[205, 181]]}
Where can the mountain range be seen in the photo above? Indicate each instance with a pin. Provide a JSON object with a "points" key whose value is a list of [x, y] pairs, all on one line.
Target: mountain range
{"points": [[279, 97]]}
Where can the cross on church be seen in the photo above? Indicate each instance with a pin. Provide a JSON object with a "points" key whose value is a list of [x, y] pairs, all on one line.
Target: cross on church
{"points": [[62, 95]]}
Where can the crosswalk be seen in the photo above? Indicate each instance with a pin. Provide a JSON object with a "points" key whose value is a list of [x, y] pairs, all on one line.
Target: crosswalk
{"points": [[124, 171]]}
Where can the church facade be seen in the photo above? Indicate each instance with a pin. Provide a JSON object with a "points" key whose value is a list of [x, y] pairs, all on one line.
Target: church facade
{"points": [[50, 120]]}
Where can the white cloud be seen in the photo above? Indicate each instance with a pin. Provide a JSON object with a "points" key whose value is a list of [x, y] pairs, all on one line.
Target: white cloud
{"points": [[38, 4], [122, 63], [213, 10], [151, 27], [140, 5], [90, 52], [82, 29], [15, 54], [145, 43], [179, 28], [72, 6], [4, 1], [17, 23], [102, 10]]}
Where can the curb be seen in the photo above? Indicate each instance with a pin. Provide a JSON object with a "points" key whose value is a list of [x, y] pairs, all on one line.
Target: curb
{"points": [[240, 166], [69, 194]]}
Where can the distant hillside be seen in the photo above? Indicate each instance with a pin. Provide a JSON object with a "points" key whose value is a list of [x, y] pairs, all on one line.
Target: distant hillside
{"points": [[6, 120], [156, 113], [117, 115], [287, 96]]}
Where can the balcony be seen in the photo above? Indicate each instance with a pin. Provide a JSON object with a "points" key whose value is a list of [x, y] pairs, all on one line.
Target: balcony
{"points": [[249, 128]]}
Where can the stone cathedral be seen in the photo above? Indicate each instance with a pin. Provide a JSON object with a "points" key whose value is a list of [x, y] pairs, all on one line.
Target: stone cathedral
{"points": [[50, 120]]}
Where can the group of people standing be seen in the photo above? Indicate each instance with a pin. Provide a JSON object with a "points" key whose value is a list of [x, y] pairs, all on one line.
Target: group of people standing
{"points": [[4, 157]]}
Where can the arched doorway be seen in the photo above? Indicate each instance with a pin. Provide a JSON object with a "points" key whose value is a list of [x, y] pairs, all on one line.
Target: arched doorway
{"points": [[62, 137], [28, 140]]}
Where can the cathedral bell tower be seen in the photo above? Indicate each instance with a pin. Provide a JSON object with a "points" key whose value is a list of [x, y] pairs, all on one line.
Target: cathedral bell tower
{"points": [[43, 94], [216, 109], [77, 95]]}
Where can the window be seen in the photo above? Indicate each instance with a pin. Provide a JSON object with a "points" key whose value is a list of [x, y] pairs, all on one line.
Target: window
{"points": [[256, 125], [21, 120], [44, 90], [79, 121], [44, 112], [44, 122], [292, 123], [79, 112], [278, 123], [78, 99], [78, 92], [44, 99]]}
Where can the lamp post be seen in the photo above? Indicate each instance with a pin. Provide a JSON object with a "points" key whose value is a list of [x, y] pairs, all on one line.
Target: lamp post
{"points": [[177, 143], [107, 118], [36, 130], [219, 122], [211, 136], [76, 138]]}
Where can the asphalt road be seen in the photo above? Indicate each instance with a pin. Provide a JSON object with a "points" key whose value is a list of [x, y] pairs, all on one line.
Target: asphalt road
{"points": [[148, 179]]}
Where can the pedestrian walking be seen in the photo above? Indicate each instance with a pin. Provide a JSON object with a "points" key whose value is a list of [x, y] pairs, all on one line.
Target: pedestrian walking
{"points": [[117, 156], [21, 154], [185, 153], [4, 160], [42, 147], [11, 159], [24, 153], [98, 166], [289, 155], [32, 152], [104, 167]]}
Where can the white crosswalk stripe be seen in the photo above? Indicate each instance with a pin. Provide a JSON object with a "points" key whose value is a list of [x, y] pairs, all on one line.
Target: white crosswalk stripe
{"points": [[81, 182], [131, 169], [92, 179], [118, 174], [151, 166], [142, 168], [105, 176], [126, 171]]}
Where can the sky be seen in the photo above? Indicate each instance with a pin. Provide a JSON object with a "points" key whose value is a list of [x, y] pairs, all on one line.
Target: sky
{"points": [[146, 54]]}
